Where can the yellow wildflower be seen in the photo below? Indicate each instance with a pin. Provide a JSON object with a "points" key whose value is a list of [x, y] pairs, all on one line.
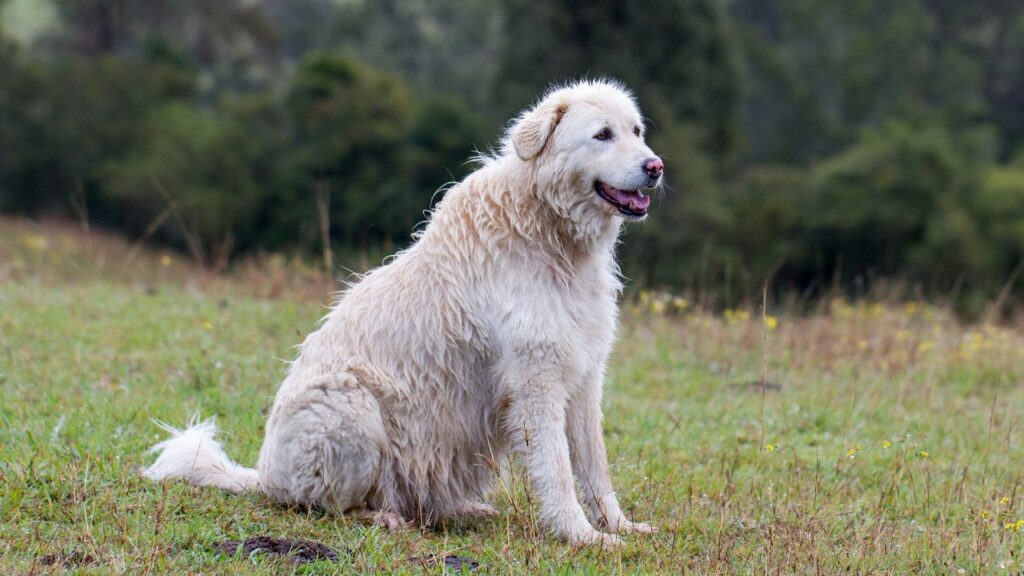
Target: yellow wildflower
{"points": [[923, 454], [852, 452], [36, 242], [165, 260], [984, 515], [886, 444], [735, 316], [207, 325], [680, 304], [769, 447], [771, 322], [840, 308], [658, 306], [1004, 501]]}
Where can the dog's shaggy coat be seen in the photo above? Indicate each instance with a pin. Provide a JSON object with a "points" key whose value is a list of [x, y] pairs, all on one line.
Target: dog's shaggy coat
{"points": [[489, 334]]}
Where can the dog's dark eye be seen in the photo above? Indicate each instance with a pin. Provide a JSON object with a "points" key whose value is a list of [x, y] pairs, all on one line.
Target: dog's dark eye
{"points": [[636, 130], [605, 134]]}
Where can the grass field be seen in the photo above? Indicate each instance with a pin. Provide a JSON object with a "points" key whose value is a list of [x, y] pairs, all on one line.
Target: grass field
{"points": [[887, 439]]}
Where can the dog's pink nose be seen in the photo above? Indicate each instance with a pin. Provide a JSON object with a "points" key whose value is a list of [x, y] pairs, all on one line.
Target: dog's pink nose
{"points": [[654, 167]]}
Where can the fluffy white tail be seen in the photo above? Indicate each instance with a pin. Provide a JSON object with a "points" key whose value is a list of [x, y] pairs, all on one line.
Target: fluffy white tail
{"points": [[194, 455]]}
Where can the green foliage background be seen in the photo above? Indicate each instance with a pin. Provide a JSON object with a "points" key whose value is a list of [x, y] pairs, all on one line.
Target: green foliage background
{"points": [[821, 144]]}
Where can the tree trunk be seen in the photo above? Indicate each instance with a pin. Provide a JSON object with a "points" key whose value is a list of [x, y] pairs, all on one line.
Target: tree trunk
{"points": [[323, 210]]}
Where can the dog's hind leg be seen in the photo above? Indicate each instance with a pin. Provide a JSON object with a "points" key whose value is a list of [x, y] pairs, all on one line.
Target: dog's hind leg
{"points": [[325, 446]]}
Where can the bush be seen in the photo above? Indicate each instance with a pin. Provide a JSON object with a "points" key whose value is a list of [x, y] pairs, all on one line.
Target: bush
{"points": [[443, 140], [64, 120], [351, 126], [766, 229], [873, 208], [200, 169], [999, 209]]}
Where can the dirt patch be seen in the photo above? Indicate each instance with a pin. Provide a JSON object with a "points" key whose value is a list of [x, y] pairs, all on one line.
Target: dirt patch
{"points": [[68, 559], [298, 551], [455, 564], [755, 386]]}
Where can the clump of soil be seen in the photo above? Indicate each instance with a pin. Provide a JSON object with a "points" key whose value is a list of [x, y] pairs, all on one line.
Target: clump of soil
{"points": [[298, 551], [455, 564], [756, 386], [67, 559]]}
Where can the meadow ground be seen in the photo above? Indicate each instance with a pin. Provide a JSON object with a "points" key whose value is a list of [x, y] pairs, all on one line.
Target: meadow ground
{"points": [[885, 440]]}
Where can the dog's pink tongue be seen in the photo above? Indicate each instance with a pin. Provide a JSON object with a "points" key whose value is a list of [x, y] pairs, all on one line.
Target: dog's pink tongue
{"points": [[639, 203], [629, 199]]}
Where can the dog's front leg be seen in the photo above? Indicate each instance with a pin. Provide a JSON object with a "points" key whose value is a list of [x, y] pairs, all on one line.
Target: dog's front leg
{"points": [[590, 460], [538, 421]]}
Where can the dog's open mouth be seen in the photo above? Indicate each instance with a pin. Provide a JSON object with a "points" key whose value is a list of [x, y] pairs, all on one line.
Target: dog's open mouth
{"points": [[629, 202]]}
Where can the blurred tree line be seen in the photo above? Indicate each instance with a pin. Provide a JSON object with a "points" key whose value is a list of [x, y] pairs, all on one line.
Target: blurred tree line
{"points": [[818, 143]]}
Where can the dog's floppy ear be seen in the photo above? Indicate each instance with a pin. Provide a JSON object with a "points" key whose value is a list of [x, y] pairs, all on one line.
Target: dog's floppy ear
{"points": [[531, 131]]}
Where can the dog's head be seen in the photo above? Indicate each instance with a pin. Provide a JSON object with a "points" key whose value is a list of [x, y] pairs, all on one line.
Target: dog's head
{"points": [[586, 143]]}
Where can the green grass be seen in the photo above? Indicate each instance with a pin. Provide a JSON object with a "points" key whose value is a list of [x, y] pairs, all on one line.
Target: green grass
{"points": [[894, 434]]}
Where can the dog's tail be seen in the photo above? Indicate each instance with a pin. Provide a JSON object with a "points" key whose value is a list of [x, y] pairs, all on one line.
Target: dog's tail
{"points": [[194, 455]]}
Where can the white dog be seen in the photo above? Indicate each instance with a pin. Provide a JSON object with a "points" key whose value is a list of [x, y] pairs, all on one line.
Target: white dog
{"points": [[490, 333]]}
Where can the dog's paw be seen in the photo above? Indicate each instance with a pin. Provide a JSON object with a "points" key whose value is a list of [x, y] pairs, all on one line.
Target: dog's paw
{"points": [[476, 510], [627, 527], [390, 520], [624, 526], [607, 542]]}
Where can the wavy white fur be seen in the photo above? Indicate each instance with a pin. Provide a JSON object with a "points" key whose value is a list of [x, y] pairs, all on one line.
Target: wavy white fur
{"points": [[489, 334]]}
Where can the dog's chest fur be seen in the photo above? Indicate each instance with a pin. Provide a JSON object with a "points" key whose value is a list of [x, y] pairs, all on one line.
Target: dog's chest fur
{"points": [[574, 311]]}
